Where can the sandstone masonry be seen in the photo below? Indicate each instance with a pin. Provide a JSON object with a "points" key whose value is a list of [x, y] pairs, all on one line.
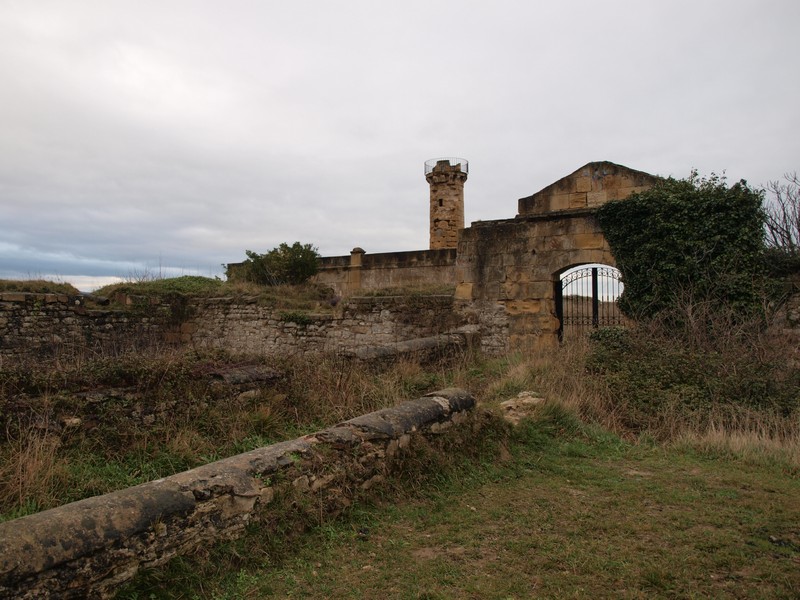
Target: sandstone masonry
{"points": [[507, 269], [37, 325], [446, 178]]}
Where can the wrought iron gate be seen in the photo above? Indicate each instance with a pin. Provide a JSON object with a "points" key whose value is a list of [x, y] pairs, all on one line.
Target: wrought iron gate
{"points": [[586, 299]]}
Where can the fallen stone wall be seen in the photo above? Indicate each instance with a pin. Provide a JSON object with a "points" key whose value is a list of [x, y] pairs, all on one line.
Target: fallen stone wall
{"points": [[88, 548]]}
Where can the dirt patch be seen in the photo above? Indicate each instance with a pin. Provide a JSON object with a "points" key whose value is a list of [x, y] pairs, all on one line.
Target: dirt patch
{"points": [[524, 405]]}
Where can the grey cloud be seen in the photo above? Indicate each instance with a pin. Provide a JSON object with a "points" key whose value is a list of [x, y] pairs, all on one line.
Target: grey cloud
{"points": [[141, 132]]}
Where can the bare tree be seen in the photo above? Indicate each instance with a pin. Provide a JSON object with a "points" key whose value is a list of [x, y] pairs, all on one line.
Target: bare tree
{"points": [[783, 214]]}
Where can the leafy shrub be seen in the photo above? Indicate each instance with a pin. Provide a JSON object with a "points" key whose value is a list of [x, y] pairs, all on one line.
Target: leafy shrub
{"points": [[293, 264], [654, 371]]}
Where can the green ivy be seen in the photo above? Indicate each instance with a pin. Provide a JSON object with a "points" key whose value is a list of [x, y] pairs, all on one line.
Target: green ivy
{"points": [[694, 238], [298, 318]]}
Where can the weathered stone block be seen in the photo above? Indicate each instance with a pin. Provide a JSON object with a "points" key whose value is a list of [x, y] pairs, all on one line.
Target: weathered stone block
{"points": [[560, 202], [577, 200], [583, 184], [14, 297], [596, 198], [463, 291], [516, 307], [589, 241]]}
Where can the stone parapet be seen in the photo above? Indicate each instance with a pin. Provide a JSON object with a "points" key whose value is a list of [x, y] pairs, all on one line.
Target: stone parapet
{"points": [[590, 186], [387, 269]]}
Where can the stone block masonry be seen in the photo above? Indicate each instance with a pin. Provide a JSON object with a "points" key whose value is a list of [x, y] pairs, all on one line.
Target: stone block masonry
{"points": [[35, 326], [88, 548], [588, 187], [349, 275], [358, 324], [49, 324], [446, 179], [510, 264]]}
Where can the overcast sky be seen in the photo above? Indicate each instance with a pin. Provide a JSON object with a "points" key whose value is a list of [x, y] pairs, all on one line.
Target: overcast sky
{"points": [[144, 136]]}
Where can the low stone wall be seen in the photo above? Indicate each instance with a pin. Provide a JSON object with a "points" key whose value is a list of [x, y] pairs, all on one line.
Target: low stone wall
{"points": [[359, 323], [42, 324], [47, 324], [87, 548]]}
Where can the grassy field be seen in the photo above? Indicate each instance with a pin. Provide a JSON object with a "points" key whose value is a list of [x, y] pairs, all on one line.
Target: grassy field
{"points": [[571, 511]]}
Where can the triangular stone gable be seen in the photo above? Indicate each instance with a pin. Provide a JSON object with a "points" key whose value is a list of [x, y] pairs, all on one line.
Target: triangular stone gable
{"points": [[590, 186]]}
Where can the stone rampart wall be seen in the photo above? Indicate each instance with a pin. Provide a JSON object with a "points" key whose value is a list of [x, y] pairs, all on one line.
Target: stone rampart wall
{"points": [[87, 548], [362, 271], [516, 263]]}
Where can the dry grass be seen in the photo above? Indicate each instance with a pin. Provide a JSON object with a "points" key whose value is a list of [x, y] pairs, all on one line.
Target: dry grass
{"points": [[559, 375], [757, 443], [766, 433], [195, 421], [31, 471], [158, 412]]}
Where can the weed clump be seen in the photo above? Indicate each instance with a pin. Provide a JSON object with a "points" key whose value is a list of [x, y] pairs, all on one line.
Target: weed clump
{"points": [[726, 373]]}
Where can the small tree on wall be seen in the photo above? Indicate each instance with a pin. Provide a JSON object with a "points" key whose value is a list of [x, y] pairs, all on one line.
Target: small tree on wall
{"points": [[782, 207], [284, 264], [783, 214], [694, 236]]}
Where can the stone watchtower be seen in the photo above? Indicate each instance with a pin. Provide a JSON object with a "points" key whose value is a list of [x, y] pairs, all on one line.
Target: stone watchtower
{"points": [[446, 176]]}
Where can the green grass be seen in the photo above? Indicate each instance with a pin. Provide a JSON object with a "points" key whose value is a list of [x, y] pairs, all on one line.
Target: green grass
{"points": [[189, 285], [306, 296], [37, 286], [573, 511]]}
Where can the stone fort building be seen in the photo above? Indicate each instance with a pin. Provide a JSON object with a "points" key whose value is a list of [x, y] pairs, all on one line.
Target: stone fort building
{"points": [[506, 272]]}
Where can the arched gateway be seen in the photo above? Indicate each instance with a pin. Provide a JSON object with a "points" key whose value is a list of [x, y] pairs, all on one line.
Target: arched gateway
{"points": [[506, 273], [586, 299], [517, 263]]}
